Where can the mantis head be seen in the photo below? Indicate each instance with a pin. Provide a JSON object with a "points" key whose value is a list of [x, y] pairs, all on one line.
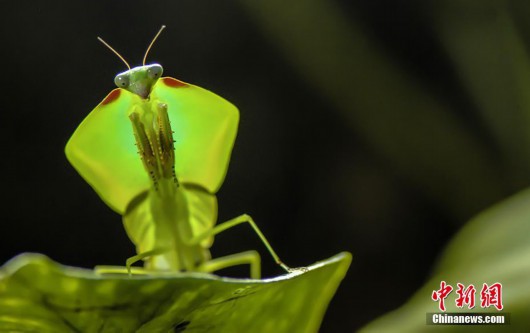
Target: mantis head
{"points": [[139, 80]]}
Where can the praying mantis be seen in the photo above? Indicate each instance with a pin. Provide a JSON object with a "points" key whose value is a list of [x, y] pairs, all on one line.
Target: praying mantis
{"points": [[156, 150]]}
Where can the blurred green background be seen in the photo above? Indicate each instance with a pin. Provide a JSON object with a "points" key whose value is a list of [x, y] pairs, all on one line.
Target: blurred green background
{"points": [[377, 127]]}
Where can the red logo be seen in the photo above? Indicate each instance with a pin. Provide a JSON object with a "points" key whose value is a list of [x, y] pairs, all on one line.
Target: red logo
{"points": [[489, 295], [441, 294], [465, 296]]}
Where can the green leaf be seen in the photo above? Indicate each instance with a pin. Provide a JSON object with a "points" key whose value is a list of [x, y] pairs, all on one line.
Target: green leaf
{"points": [[39, 295], [493, 247]]}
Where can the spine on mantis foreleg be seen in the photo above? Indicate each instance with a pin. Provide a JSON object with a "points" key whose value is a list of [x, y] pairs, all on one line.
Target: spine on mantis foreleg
{"points": [[166, 143], [154, 139], [145, 149]]}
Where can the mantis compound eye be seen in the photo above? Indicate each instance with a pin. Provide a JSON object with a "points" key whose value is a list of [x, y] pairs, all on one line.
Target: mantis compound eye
{"points": [[154, 71], [122, 81]]}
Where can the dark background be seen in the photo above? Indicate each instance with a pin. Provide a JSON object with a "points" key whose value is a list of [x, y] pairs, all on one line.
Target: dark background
{"points": [[361, 128]]}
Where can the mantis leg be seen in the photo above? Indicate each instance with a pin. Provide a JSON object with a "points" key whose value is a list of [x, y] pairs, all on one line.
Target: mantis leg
{"points": [[232, 223], [248, 257], [104, 269], [134, 259], [129, 262]]}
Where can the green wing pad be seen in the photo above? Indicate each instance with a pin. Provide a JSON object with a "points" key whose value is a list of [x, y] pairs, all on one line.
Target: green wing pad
{"points": [[103, 151], [204, 126], [202, 212], [139, 224], [201, 215]]}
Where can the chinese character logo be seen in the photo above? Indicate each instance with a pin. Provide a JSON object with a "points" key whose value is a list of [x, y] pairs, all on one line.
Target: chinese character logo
{"points": [[465, 296], [491, 296], [441, 294]]}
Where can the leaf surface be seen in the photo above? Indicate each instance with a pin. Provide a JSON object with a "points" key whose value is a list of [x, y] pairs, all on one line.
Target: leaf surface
{"points": [[39, 295]]}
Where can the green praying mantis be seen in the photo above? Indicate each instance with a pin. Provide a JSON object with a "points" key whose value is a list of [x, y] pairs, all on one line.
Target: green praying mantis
{"points": [[156, 150]]}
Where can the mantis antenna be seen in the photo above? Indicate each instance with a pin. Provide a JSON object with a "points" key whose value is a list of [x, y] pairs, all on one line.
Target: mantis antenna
{"points": [[152, 42], [115, 52]]}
